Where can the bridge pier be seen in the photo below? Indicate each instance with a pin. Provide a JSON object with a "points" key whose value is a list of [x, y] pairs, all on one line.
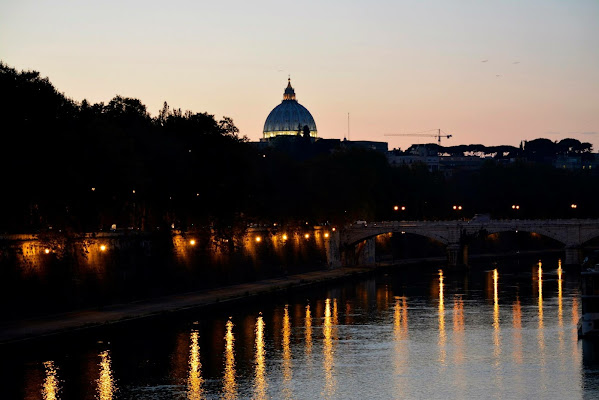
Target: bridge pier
{"points": [[457, 254], [365, 252], [362, 253], [332, 247], [453, 251], [573, 255]]}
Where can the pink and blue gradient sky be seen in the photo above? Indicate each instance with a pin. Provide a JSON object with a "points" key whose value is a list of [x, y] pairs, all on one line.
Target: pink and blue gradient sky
{"points": [[490, 72]]}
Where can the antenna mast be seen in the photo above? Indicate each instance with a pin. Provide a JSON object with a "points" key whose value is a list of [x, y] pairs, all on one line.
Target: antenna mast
{"points": [[347, 126]]}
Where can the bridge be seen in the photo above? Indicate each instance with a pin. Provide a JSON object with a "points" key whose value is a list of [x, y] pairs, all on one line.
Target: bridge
{"points": [[355, 244]]}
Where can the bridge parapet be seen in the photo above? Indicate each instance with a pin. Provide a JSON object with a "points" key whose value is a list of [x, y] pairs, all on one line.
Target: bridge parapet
{"points": [[573, 233]]}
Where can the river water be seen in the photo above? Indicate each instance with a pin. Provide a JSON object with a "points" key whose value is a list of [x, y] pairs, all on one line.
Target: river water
{"points": [[501, 330]]}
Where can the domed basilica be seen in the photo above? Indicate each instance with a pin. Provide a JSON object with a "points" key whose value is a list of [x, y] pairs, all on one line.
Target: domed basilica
{"points": [[289, 117]]}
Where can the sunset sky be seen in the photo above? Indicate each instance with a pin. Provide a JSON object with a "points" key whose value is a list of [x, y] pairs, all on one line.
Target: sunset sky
{"points": [[490, 72]]}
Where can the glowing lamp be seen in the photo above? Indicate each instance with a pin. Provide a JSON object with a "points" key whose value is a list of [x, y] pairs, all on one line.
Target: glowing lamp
{"points": [[258, 239], [192, 242], [102, 248]]}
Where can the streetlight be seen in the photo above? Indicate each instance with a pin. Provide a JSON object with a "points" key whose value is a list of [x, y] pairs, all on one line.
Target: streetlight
{"points": [[457, 208], [258, 239], [192, 242]]}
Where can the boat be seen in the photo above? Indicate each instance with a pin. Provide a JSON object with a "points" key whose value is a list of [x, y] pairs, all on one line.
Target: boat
{"points": [[588, 325]]}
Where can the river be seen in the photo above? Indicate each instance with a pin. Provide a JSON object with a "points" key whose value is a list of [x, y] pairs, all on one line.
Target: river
{"points": [[500, 330]]}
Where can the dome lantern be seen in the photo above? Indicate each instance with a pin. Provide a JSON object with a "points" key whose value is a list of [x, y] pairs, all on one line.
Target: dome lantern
{"points": [[289, 92]]}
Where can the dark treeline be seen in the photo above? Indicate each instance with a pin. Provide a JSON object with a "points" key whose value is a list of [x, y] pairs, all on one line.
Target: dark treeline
{"points": [[538, 150], [79, 167]]}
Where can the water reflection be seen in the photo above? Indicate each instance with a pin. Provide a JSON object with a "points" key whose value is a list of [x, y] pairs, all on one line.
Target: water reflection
{"points": [[517, 331], [496, 330], [50, 388], [106, 384], [229, 384], [308, 331], [459, 358], [330, 384], [525, 347], [195, 382], [260, 384], [541, 334], [574, 332], [287, 373], [560, 311], [400, 331], [442, 336]]}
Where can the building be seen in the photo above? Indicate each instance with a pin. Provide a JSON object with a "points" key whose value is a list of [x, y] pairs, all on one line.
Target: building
{"points": [[290, 128], [289, 118]]}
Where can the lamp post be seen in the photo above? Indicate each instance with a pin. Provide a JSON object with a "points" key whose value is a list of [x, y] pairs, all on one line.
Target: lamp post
{"points": [[515, 207], [397, 208], [457, 208]]}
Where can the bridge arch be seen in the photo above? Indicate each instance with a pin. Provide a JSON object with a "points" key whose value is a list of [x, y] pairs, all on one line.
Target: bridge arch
{"points": [[352, 240], [541, 232]]}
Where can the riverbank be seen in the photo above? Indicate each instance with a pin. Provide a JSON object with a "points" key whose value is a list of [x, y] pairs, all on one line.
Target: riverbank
{"points": [[34, 328], [67, 322]]}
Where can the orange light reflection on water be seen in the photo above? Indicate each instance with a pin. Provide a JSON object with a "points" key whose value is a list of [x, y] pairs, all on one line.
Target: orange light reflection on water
{"points": [[328, 353], [260, 384], [229, 383], [442, 334], [287, 371], [496, 328], [50, 388], [517, 335], [541, 337], [195, 382], [308, 333], [400, 331], [106, 383]]}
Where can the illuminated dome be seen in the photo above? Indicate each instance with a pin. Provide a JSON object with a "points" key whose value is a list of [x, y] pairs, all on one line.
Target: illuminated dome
{"points": [[289, 117]]}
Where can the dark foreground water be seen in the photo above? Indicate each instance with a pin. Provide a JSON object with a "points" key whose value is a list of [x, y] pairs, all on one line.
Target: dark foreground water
{"points": [[503, 330]]}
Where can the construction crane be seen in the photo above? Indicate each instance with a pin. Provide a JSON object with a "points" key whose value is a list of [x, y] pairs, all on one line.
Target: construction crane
{"points": [[423, 134]]}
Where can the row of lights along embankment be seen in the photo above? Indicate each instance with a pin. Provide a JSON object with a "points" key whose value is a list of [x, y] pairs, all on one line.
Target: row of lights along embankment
{"points": [[258, 239], [103, 247]]}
